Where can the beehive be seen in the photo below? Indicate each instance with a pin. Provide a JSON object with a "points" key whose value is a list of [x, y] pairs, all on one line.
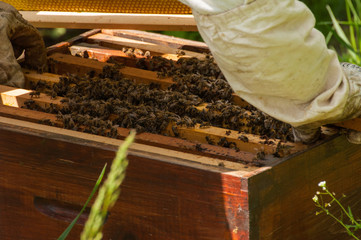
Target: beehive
{"points": [[176, 188]]}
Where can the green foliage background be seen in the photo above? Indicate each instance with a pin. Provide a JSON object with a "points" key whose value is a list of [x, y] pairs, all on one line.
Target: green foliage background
{"points": [[319, 10]]}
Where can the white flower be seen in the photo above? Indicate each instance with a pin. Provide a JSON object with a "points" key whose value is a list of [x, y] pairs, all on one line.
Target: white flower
{"points": [[322, 184], [315, 199]]}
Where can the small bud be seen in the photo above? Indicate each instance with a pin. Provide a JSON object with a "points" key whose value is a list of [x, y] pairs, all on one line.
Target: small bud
{"points": [[315, 199]]}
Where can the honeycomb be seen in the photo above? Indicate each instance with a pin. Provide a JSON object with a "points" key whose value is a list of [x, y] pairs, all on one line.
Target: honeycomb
{"points": [[105, 6]]}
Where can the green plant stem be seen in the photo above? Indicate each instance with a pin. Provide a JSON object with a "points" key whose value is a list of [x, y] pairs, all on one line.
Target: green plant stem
{"points": [[340, 205], [339, 221]]}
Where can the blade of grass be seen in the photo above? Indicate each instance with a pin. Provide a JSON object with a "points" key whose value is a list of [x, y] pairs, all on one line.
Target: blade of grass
{"points": [[358, 13], [342, 37], [337, 26], [355, 27], [328, 37], [355, 34], [351, 27], [345, 44], [68, 229], [353, 10], [108, 193]]}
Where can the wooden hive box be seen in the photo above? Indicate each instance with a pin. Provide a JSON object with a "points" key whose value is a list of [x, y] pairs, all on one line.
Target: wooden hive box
{"points": [[175, 188]]}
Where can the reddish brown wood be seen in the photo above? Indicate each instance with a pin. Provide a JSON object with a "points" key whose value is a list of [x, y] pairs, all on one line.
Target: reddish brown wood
{"points": [[60, 210], [280, 198], [354, 124], [154, 204]]}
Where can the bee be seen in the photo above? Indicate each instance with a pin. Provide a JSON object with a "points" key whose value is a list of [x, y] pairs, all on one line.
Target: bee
{"points": [[64, 100], [138, 52], [261, 155], [85, 54], [209, 140], [204, 125], [222, 142], [46, 122], [180, 53], [243, 138], [29, 102], [221, 164], [34, 94], [175, 131], [199, 147], [147, 54]]}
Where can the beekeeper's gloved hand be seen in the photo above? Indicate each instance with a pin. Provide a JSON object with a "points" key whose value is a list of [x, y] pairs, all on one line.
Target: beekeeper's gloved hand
{"points": [[16, 35], [274, 58]]}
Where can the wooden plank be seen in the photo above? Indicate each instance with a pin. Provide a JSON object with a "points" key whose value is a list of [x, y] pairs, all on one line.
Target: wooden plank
{"points": [[280, 198], [192, 159], [159, 198], [174, 42], [102, 54], [29, 115], [34, 76], [144, 138], [91, 20], [354, 124], [17, 97], [80, 66], [223, 136], [120, 42], [62, 47]]}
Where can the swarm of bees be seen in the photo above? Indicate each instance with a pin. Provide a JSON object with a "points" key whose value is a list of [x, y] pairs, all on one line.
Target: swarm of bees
{"points": [[101, 103]]}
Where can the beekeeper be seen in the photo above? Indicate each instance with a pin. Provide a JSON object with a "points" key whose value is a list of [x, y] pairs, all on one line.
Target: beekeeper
{"points": [[17, 34], [274, 58]]}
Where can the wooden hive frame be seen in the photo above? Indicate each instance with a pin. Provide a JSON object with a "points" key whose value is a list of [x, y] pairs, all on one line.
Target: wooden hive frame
{"points": [[88, 20], [172, 190]]}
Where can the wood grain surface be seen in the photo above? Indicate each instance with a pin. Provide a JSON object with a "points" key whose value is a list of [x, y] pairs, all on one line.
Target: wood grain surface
{"points": [[189, 200]]}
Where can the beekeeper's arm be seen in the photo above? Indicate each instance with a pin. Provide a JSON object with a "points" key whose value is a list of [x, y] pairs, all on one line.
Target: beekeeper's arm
{"points": [[274, 58], [17, 35]]}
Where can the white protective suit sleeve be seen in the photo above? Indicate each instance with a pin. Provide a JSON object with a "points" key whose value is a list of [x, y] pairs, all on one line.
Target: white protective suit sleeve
{"points": [[274, 58]]}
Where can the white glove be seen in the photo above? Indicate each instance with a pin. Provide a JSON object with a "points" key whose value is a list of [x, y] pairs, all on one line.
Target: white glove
{"points": [[17, 35], [274, 58]]}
